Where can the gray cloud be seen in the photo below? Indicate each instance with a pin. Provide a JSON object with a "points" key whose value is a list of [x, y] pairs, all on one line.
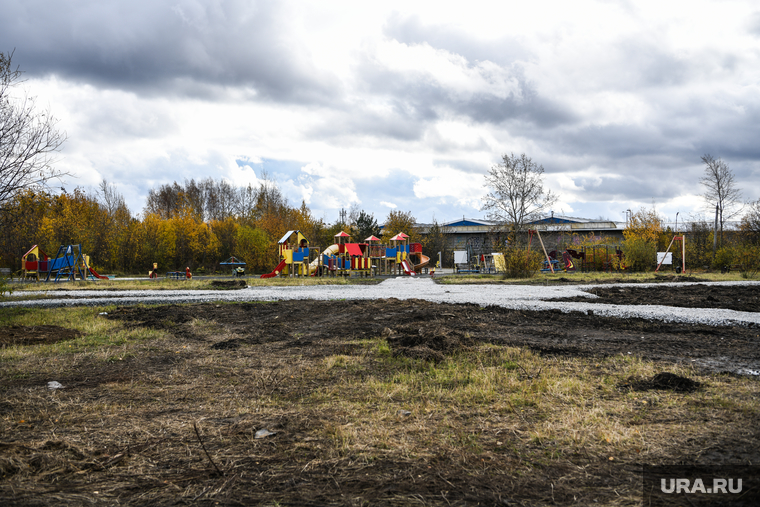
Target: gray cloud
{"points": [[411, 30], [351, 125], [159, 47]]}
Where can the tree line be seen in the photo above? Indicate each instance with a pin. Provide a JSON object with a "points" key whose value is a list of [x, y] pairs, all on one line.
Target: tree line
{"points": [[194, 224]]}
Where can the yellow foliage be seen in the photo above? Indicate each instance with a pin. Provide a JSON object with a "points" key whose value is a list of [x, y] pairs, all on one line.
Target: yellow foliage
{"points": [[645, 224]]}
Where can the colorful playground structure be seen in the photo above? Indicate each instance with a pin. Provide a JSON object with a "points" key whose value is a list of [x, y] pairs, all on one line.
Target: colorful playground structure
{"points": [[344, 258], [68, 264]]}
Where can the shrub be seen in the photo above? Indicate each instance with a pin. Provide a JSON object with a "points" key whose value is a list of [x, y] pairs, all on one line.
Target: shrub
{"points": [[521, 263], [748, 259], [6, 289], [724, 258], [640, 254]]}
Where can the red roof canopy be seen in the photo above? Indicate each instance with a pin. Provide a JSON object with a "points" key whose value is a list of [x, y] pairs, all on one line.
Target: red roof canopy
{"points": [[372, 238], [342, 234], [403, 235], [399, 237], [353, 249]]}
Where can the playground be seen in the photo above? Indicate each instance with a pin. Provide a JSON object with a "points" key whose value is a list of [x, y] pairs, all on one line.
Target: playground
{"points": [[382, 401], [346, 258]]}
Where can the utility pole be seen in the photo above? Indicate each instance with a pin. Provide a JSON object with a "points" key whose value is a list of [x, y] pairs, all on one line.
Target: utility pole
{"points": [[715, 232]]}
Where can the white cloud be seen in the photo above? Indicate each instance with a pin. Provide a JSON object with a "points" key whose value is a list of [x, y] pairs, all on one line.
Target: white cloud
{"points": [[618, 106]]}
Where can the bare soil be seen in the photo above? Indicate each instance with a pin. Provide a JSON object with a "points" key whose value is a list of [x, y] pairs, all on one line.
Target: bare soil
{"points": [[35, 335], [742, 298], [62, 455]]}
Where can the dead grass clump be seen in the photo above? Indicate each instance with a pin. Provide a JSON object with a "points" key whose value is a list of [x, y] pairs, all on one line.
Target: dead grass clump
{"points": [[427, 341], [229, 284], [663, 381]]}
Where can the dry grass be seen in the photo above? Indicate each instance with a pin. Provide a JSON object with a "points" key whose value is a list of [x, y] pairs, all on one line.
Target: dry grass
{"points": [[194, 284], [502, 419]]}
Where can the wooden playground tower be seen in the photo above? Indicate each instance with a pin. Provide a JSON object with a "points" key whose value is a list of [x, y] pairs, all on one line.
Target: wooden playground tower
{"points": [[344, 258]]}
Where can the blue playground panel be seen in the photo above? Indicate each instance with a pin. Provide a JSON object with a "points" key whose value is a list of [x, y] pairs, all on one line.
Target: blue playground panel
{"points": [[301, 255]]}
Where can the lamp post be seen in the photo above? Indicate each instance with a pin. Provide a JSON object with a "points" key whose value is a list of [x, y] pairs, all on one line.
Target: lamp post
{"points": [[677, 212]]}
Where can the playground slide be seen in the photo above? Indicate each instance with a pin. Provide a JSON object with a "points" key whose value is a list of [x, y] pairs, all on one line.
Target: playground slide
{"points": [[96, 275], [330, 250], [408, 269], [276, 271], [424, 261]]}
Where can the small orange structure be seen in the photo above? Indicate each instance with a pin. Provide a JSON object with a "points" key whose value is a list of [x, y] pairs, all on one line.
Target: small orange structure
{"points": [[188, 274]]}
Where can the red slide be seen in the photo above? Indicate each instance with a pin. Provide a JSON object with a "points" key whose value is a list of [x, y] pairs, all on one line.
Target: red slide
{"points": [[96, 275], [276, 270], [408, 269]]}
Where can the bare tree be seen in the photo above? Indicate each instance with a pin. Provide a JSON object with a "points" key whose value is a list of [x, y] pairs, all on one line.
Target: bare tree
{"points": [[516, 193], [28, 137], [750, 225], [720, 190]]}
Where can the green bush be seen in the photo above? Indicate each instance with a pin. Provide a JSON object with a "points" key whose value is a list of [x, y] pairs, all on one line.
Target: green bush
{"points": [[724, 258], [640, 255], [521, 263]]}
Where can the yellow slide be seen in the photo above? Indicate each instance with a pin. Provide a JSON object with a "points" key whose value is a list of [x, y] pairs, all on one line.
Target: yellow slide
{"points": [[330, 250]]}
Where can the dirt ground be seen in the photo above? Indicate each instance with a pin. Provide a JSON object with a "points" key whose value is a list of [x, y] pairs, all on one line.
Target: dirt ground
{"points": [[291, 468], [742, 298]]}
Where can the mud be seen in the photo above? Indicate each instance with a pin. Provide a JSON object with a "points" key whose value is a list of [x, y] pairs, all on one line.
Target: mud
{"points": [[742, 298], [663, 381], [35, 335], [428, 330]]}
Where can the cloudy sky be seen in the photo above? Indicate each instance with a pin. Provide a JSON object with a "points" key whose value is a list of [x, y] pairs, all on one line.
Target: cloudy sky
{"points": [[399, 105]]}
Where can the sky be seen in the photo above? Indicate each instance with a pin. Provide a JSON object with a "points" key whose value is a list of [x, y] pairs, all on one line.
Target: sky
{"points": [[399, 105]]}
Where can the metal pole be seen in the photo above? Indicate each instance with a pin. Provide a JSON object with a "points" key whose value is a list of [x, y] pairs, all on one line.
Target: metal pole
{"points": [[544, 249]]}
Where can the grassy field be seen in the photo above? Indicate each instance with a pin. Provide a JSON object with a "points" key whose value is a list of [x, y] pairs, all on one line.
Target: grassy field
{"points": [[146, 417], [193, 284]]}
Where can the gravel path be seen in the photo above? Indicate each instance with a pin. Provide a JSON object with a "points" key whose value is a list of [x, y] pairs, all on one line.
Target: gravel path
{"points": [[523, 297]]}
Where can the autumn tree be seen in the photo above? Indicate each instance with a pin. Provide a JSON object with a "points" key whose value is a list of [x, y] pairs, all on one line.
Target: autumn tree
{"points": [[226, 233], [436, 240], [158, 243], [641, 238], [252, 245], [114, 245], [28, 138], [21, 225], [516, 193]]}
